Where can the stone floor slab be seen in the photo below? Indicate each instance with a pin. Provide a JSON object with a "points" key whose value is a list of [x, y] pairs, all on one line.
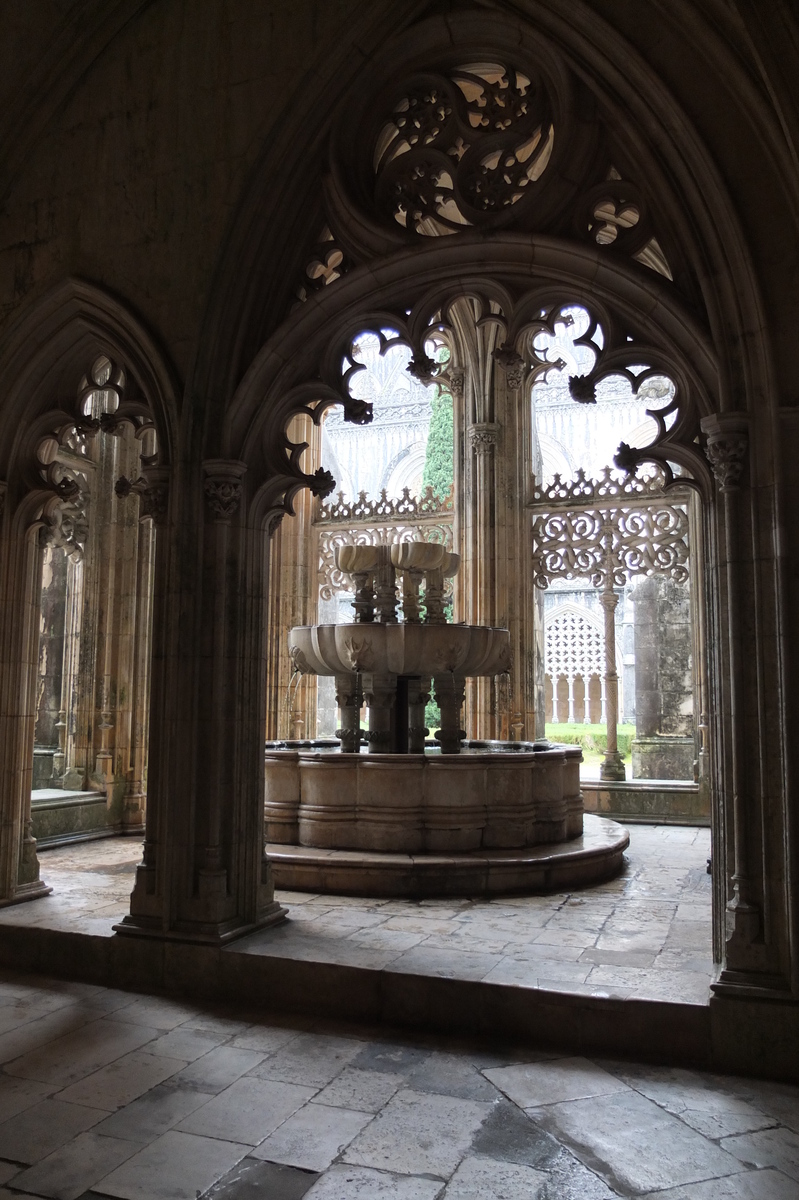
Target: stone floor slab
{"points": [[417, 1133], [43, 1128], [532, 1084], [248, 1111], [69, 1172], [363, 1183], [178, 1166], [487, 1179], [313, 1137], [770, 1148]]}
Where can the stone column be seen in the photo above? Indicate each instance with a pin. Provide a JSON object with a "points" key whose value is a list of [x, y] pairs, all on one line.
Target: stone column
{"points": [[727, 451], [612, 765], [449, 691], [418, 697], [380, 693], [348, 699], [664, 747]]}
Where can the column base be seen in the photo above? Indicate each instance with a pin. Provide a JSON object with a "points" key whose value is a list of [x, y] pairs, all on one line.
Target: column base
{"points": [[27, 891], [612, 768], [207, 935]]}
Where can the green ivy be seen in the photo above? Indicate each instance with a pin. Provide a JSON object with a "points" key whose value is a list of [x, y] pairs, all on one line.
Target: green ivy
{"points": [[439, 457]]}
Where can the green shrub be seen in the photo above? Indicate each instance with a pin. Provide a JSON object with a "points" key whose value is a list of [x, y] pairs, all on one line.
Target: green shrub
{"points": [[592, 738]]}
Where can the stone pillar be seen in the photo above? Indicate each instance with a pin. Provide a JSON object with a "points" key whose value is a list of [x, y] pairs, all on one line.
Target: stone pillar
{"points": [[612, 765], [664, 746], [205, 876], [449, 692], [348, 699], [418, 697], [380, 693], [20, 591]]}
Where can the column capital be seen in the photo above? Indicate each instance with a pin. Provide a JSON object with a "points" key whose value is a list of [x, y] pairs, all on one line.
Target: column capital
{"points": [[223, 487], [483, 436], [512, 364], [726, 447]]}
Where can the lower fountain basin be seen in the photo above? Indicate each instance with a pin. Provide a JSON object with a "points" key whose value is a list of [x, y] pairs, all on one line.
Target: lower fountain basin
{"points": [[423, 804]]}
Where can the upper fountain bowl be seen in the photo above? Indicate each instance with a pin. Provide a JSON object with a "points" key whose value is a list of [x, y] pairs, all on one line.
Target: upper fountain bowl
{"points": [[400, 649]]}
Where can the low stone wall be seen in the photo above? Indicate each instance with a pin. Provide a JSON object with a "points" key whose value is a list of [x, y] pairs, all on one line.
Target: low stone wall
{"points": [[59, 817], [416, 803], [648, 801]]}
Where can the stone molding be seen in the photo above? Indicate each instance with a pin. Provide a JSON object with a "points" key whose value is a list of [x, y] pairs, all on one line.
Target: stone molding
{"points": [[3, 492], [726, 448], [223, 487], [152, 488]]}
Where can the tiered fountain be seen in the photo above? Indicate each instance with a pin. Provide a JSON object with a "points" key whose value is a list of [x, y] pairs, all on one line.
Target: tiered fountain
{"points": [[463, 818]]}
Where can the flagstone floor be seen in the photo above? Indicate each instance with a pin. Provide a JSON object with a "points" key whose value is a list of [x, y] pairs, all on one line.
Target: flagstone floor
{"points": [[645, 934], [105, 1093]]}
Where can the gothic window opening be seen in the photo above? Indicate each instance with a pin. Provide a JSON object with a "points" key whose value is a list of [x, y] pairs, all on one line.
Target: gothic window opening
{"points": [[97, 560], [612, 558]]}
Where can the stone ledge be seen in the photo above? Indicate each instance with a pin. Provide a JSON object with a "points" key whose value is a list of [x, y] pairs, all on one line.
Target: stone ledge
{"points": [[596, 856], [647, 801]]}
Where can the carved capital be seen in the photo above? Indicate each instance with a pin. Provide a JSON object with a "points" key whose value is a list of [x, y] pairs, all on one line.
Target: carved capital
{"points": [[512, 364], [726, 448], [483, 436], [223, 487], [456, 379], [152, 488]]}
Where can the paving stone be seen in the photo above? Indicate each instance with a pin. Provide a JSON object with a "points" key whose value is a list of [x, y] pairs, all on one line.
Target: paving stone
{"points": [[80, 1053], [770, 1148], [43, 1128], [488, 1179], [451, 1075], [419, 1133], [177, 1166], [313, 1137], [312, 1059], [393, 1058], [67, 1173], [18, 1094], [253, 1180], [509, 1135], [248, 1111], [749, 1185], [364, 1091], [122, 1081], [153, 1114], [217, 1069], [8, 1170], [708, 1110], [361, 1183], [532, 1084], [634, 1144], [188, 1044]]}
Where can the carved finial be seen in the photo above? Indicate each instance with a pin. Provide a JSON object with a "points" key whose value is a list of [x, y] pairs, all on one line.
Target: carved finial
{"points": [[512, 364], [726, 448], [322, 483]]}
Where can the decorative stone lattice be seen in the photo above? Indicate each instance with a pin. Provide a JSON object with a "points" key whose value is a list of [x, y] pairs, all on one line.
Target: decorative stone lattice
{"points": [[332, 581], [575, 645], [364, 509], [589, 543]]}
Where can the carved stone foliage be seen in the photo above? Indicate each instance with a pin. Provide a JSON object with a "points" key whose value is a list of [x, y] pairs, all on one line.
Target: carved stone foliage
{"points": [[726, 452], [66, 523], [152, 490], [483, 437], [223, 487], [333, 581], [609, 484], [590, 543]]}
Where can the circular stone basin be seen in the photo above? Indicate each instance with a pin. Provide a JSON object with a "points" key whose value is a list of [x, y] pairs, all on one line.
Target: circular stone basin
{"points": [[401, 649]]}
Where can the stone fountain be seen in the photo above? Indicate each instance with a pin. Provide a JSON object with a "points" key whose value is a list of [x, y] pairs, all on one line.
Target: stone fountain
{"points": [[461, 818]]}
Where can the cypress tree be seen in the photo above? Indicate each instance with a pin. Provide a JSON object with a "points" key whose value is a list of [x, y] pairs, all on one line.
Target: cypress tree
{"points": [[438, 462]]}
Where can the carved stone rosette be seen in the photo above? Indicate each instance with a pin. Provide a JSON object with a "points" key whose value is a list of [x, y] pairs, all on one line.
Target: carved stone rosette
{"points": [[726, 448], [483, 436], [223, 487]]}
